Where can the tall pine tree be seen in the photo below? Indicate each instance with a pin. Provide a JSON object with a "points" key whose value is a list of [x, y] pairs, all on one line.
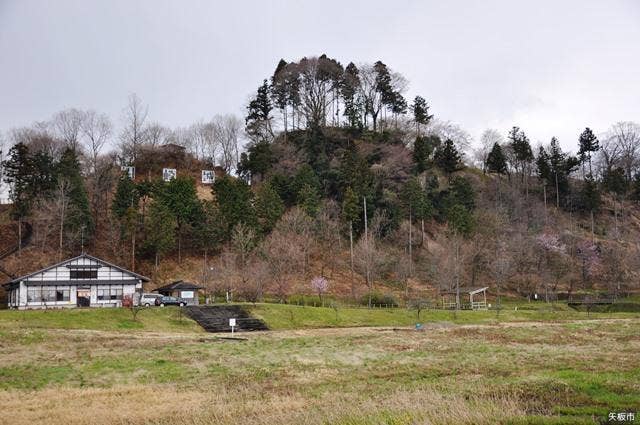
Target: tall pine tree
{"points": [[496, 161]]}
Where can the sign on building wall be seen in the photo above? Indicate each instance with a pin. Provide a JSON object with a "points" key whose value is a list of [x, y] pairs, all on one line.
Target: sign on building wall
{"points": [[208, 176], [131, 171], [186, 294], [168, 174]]}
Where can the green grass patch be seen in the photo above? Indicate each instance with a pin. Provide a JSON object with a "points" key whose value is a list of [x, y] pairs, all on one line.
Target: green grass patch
{"points": [[284, 316], [166, 319]]}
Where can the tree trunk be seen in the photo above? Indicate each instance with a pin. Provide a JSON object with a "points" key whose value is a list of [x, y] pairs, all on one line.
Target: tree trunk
{"points": [[61, 235], [133, 251], [366, 242], [179, 247], [544, 193], [592, 229], [19, 236], [353, 288], [410, 244], [457, 272], [615, 214], [557, 193]]}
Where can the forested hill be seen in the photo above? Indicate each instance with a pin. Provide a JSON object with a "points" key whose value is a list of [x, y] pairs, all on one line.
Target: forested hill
{"points": [[344, 187]]}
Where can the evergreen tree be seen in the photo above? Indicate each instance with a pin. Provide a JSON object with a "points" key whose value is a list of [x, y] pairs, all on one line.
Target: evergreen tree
{"points": [[351, 208], [588, 145], [615, 182], [354, 172], [269, 207], [126, 196], [423, 147], [256, 162], [448, 158], [543, 166], [258, 119], [635, 188], [496, 161], [461, 192], [521, 148], [412, 198], [279, 90], [180, 197], [304, 177], [210, 231], [416, 204], [590, 195], [554, 168], [160, 228], [283, 186], [18, 174], [420, 110], [79, 215], [351, 215], [590, 200], [460, 220], [309, 200], [349, 90], [233, 199]]}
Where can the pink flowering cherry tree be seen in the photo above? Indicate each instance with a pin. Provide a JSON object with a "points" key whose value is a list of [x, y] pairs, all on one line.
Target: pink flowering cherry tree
{"points": [[321, 286]]}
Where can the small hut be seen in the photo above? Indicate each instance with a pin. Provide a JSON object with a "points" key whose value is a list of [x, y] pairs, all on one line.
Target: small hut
{"points": [[181, 289], [477, 303]]}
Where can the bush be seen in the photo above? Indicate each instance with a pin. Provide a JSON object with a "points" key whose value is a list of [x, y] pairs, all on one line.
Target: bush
{"points": [[309, 300], [379, 300]]}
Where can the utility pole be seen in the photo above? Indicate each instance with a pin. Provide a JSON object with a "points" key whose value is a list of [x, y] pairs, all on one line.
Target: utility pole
{"points": [[82, 239], [557, 192], [366, 244]]}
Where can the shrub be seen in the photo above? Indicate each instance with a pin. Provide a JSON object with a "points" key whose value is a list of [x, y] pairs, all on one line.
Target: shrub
{"points": [[378, 299]]}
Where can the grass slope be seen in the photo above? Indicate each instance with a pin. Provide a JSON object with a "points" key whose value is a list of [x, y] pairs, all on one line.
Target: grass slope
{"points": [[282, 316], [168, 319]]}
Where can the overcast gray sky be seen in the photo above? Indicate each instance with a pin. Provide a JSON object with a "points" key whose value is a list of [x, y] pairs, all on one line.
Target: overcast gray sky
{"points": [[550, 67]]}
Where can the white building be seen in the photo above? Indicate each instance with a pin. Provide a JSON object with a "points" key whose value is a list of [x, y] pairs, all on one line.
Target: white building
{"points": [[82, 281]]}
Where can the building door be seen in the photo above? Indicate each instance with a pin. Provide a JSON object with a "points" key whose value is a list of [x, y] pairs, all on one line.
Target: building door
{"points": [[84, 297]]}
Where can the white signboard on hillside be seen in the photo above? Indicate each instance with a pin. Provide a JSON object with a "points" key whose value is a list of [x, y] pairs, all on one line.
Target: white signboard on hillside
{"points": [[208, 176], [169, 174]]}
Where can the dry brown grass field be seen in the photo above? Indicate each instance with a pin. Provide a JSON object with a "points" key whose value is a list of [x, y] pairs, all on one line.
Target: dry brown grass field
{"points": [[571, 371]]}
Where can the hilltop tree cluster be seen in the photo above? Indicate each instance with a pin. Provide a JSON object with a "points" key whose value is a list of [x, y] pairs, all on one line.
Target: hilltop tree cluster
{"points": [[342, 171]]}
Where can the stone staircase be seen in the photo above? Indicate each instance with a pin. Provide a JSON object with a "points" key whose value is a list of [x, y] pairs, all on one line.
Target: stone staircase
{"points": [[215, 318]]}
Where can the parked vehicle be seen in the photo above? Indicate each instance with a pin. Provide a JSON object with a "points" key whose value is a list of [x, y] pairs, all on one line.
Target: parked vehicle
{"points": [[148, 300], [164, 300]]}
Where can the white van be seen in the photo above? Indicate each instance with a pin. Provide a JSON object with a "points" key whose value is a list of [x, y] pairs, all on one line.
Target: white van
{"points": [[148, 300]]}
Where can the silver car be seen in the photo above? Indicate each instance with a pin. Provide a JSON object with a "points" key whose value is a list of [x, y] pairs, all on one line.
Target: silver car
{"points": [[148, 300]]}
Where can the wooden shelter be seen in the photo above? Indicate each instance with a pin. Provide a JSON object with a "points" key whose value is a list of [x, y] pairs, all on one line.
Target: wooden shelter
{"points": [[180, 289], [477, 303]]}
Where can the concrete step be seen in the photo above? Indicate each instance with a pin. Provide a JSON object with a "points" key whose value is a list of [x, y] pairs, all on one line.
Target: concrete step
{"points": [[216, 318]]}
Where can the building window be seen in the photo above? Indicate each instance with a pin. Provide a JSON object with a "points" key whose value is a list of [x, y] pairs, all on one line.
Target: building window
{"points": [[41, 294], [83, 274], [62, 294], [48, 294], [110, 294], [34, 294]]}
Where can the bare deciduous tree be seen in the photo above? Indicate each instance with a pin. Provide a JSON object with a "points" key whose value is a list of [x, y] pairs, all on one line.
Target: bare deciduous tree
{"points": [[134, 133], [96, 129], [68, 127], [156, 134], [226, 136], [489, 138], [621, 147]]}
